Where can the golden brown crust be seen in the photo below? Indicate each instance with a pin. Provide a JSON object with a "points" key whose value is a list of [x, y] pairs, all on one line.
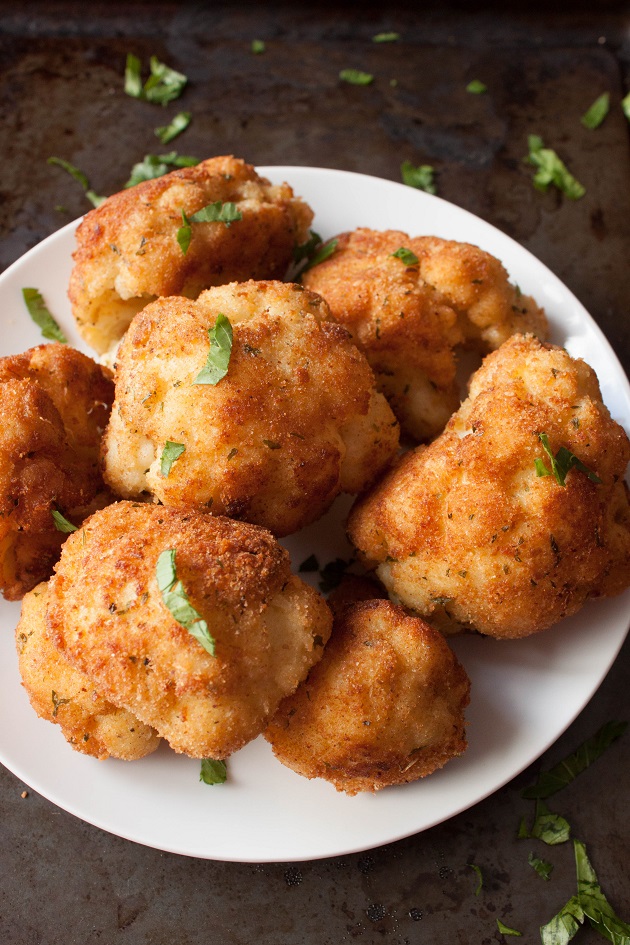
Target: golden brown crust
{"points": [[385, 705], [127, 251], [409, 319], [61, 694], [296, 420], [465, 531], [54, 403], [107, 616]]}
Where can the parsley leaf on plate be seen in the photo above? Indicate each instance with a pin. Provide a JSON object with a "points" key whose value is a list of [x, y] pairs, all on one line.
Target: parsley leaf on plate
{"points": [[216, 212], [156, 165], [258, 47], [171, 452], [406, 256], [179, 123], [594, 116], [62, 524], [563, 773], [542, 867], [476, 87], [386, 37], [506, 930], [163, 85], [477, 870], [551, 170], [549, 827], [561, 463], [421, 177], [176, 601], [212, 771], [216, 366], [80, 177], [40, 314], [356, 77]]}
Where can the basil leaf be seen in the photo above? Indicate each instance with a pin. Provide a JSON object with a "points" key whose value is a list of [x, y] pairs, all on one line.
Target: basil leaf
{"points": [[561, 929], [332, 573], [156, 165], [551, 170], [79, 176], [304, 250], [170, 453], [561, 463], [309, 564], [593, 902], [476, 87], [477, 870], [549, 827], [177, 603], [406, 256], [563, 773], [542, 867], [322, 254], [212, 771], [506, 930], [164, 84], [386, 37], [184, 233], [594, 116], [218, 360], [422, 177], [133, 80], [625, 105], [258, 47], [38, 311], [356, 77], [62, 524], [217, 213], [167, 132]]}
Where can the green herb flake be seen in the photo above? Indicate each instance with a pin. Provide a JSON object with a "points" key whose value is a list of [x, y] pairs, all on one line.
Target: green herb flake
{"points": [[421, 177], [258, 47], [80, 177], [163, 85], [356, 77], [476, 87], [217, 212], [551, 170], [170, 453], [551, 828], [477, 870], [212, 771], [625, 105], [594, 116], [506, 930], [542, 867], [386, 38], [305, 250], [561, 463], [593, 902], [62, 524], [309, 564], [40, 314], [406, 256], [272, 445], [57, 703], [176, 601], [156, 165], [563, 773], [179, 123], [325, 252], [561, 929], [184, 233], [218, 360], [332, 573]]}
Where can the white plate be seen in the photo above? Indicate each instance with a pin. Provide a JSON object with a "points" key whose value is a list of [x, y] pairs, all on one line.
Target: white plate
{"points": [[524, 692]]}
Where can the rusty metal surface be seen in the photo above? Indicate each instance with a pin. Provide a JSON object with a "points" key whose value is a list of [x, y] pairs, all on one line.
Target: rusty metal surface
{"points": [[61, 93]]}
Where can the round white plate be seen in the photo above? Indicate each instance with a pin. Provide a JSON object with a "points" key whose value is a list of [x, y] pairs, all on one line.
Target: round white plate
{"points": [[524, 692]]}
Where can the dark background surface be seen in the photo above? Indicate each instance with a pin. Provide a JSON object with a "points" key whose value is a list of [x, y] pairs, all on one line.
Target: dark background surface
{"points": [[61, 67]]}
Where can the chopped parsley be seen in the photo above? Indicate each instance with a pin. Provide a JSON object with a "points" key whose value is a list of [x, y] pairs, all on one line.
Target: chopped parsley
{"points": [[594, 116], [356, 77], [542, 867], [62, 524], [561, 463], [386, 38], [567, 770], [176, 601], [305, 250], [212, 771], [421, 177], [549, 827], [218, 360], [156, 165], [551, 170], [163, 85], [167, 132], [476, 87], [170, 453], [258, 47], [80, 177], [40, 314], [57, 703], [505, 929], [406, 256], [323, 253], [216, 212], [477, 870]]}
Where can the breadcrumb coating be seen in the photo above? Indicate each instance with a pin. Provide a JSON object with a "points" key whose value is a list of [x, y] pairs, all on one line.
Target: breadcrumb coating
{"points": [[63, 695], [467, 534], [108, 617], [295, 421], [409, 317], [385, 704], [54, 403], [128, 254]]}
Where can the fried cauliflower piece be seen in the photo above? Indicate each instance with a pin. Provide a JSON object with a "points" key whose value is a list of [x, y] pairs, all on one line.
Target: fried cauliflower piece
{"points": [[54, 403], [296, 420], [385, 705], [467, 534], [61, 694], [108, 616], [128, 253], [410, 318]]}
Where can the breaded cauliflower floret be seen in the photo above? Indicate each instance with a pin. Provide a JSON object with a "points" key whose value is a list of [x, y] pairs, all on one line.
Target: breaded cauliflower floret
{"points": [[108, 616], [61, 694], [409, 317], [128, 252], [385, 705], [296, 419], [470, 532], [54, 403]]}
